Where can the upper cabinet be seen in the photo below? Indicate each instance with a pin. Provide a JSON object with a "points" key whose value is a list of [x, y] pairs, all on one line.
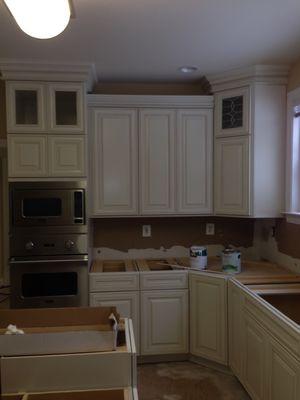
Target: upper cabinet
{"points": [[36, 107], [157, 161], [165, 151], [114, 169], [250, 108]]}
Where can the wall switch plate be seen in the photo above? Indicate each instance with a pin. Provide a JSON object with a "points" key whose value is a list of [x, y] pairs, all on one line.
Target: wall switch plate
{"points": [[210, 229], [146, 231]]}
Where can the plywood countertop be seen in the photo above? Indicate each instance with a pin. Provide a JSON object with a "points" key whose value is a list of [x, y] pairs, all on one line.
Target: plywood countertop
{"points": [[113, 266], [253, 272]]}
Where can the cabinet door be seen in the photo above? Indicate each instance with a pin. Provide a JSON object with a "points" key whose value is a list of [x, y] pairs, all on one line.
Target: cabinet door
{"points": [[114, 163], [25, 107], [235, 326], [232, 112], [127, 304], [208, 317], [27, 156], [283, 373], [66, 102], [254, 353], [232, 176], [157, 161], [194, 161], [66, 156], [164, 322]]}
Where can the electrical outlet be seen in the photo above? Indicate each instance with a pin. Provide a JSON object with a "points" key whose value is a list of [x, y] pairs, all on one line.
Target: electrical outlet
{"points": [[210, 229], [146, 231]]}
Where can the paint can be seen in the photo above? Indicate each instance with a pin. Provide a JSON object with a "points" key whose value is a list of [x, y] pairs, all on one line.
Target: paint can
{"points": [[231, 261], [198, 257]]}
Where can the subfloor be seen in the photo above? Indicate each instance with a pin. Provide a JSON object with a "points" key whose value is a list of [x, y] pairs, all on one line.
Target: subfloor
{"points": [[187, 381]]}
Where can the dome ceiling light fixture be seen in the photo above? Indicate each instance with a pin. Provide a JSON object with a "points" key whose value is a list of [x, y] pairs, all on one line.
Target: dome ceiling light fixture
{"points": [[41, 19]]}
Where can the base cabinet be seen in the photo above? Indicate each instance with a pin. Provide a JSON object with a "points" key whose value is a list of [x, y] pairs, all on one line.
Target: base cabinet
{"points": [[127, 304], [208, 317], [164, 322]]}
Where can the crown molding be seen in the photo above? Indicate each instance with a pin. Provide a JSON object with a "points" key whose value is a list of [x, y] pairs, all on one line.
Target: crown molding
{"points": [[268, 74], [96, 100], [48, 71]]}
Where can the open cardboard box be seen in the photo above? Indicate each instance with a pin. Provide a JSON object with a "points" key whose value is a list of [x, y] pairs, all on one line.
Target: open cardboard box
{"points": [[111, 394], [58, 331]]}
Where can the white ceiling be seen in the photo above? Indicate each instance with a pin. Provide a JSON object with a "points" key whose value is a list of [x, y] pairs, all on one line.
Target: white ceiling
{"points": [[134, 40]]}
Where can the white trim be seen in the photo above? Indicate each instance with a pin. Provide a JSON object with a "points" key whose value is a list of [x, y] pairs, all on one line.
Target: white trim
{"points": [[293, 99], [269, 74], [12, 69], [139, 101]]}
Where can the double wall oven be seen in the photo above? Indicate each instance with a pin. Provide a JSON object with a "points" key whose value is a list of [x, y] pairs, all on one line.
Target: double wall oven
{"points": [[48, 244]]}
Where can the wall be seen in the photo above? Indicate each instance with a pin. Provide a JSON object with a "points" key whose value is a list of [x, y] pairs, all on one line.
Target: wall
{"points": [[171, 236], [2, 111]]}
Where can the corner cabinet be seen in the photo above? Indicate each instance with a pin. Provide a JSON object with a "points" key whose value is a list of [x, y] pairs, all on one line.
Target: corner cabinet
{"points": [[249, 141], [208, 316], [160, 145], [46, 130]]}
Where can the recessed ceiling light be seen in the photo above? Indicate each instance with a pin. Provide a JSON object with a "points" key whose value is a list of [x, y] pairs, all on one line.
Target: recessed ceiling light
{"points": [[187, 69]]}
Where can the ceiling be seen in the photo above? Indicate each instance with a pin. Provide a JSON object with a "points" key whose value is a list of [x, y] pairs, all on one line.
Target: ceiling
{"points": [[147, 40]]}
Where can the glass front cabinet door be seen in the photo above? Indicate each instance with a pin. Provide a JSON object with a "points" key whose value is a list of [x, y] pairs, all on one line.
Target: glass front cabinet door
{"points": [[232, 112], [66, 107], [25, 107]]}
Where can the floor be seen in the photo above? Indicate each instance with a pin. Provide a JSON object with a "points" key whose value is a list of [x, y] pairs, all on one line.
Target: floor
{"points": [[187, 381]]}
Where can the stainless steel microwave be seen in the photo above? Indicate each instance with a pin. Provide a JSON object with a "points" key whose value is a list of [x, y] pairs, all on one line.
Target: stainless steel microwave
{"points": [[47, 204]]}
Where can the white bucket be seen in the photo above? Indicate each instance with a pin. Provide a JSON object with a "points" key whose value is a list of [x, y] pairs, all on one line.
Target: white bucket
{"points": [[231, 261], [198, 257]]}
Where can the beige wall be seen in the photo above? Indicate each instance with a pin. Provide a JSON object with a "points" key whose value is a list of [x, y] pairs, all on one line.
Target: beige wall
{"points": [[294, 77], [2, 111]]}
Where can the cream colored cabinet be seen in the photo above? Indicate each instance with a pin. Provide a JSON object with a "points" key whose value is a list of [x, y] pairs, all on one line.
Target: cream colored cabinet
{"points": [[66, 155], [157, 161], [114, 169], [232, 175], [151, 155], [208, 317], [45, 106], [249, 128], [194, 161], [255, 346], [283, 373], [27, 156], [235, 328], [164, 322], [26, 107], [66, 108], [127, 304], [44, 156]]}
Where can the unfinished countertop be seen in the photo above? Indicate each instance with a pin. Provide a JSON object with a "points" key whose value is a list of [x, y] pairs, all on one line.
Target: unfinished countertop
{"points": [[253, 272], [109, 266]]}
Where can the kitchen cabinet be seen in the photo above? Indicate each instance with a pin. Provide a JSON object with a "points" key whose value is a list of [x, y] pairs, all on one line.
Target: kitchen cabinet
{"points": [[157, 161], [164, 322], [27, 155], [232, 179], [45, 156], [46, 126], [114, 169], [254, 358], [156, 143], [40, 107], [194, 161], [249, 137], [208, 316]]}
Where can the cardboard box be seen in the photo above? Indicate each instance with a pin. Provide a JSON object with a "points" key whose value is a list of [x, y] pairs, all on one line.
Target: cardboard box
{"points": [[58, 331], [111, 394]]}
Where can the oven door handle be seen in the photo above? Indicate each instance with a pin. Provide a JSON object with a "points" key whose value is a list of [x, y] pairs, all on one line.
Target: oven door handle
{"points": [[76, 260]]}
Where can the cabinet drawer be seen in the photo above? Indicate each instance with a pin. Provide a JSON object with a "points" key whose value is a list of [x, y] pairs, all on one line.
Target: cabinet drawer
{"points": [[71, 371], [110, 282], [163, 280]]}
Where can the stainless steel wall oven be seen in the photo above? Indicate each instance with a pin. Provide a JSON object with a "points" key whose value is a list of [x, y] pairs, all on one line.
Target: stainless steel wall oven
{"points": [[48, 244]]}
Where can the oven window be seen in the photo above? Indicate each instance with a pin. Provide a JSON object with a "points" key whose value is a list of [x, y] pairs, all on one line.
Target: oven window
{"points": [[49, 284], [42, 207]]}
